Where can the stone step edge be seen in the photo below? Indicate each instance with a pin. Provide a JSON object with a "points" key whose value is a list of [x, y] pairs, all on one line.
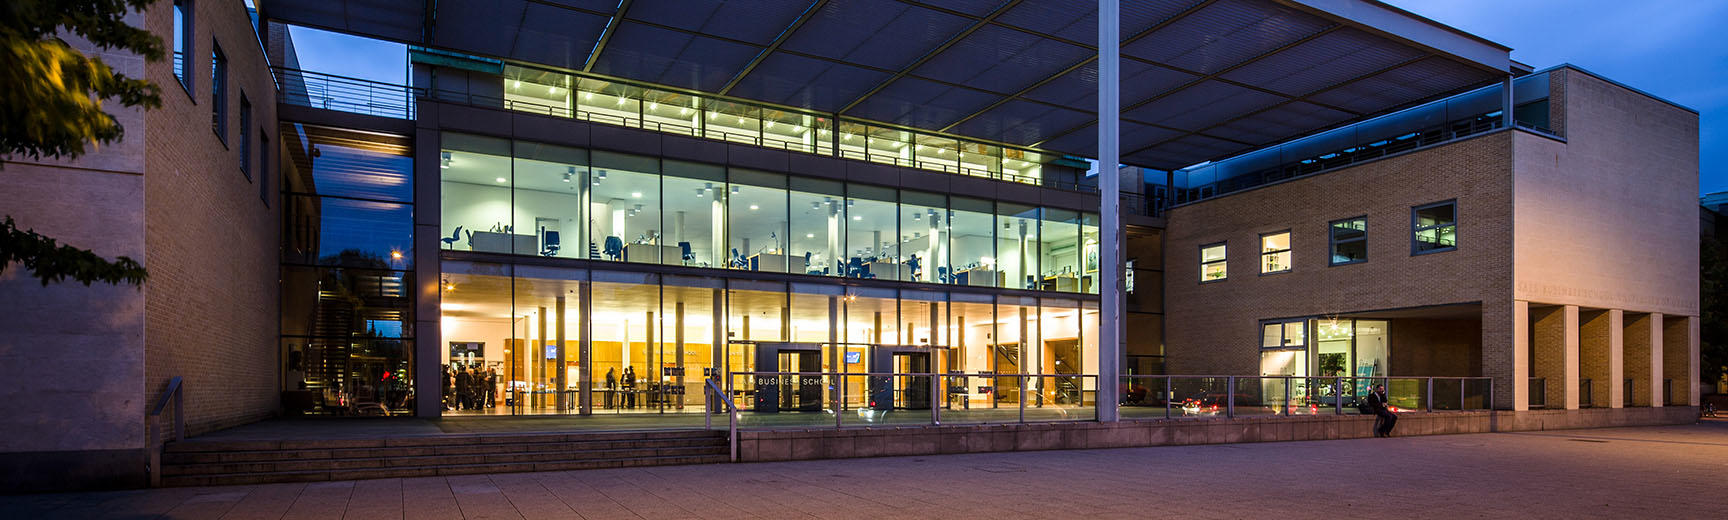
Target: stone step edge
{"points": [[196, 446], [572, 456], [452, 469], [337, 453]]}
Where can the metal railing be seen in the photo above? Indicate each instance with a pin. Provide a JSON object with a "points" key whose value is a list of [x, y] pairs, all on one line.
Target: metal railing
{"points": [[1538, 392], [152, 443], [1151, 397], [710, 389], [343, 94], [771, 400]]}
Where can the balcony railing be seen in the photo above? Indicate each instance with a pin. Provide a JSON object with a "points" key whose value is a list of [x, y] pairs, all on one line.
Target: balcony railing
{"points": [[343, 94], [1155, 397]]}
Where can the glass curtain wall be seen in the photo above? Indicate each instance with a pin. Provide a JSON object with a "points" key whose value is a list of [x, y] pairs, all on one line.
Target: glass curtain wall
{"points": [[643, 106], [531, 199], [547, 340], [347, 260]]}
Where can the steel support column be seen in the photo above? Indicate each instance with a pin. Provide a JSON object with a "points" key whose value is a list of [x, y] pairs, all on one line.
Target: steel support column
{"points": [[1110, 220]]}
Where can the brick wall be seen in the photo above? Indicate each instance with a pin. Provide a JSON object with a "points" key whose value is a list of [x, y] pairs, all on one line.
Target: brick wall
{"points": [[211, 313], [1449, 347], [1593, 348], [1637, 351], [1212, 327]]}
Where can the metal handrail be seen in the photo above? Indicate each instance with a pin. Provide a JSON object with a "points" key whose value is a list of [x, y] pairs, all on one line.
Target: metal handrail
{"points": [[731, 413], [175, 395], [1314, 397]]}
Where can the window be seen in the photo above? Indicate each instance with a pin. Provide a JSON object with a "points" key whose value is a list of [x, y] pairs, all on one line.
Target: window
{"points": [[264, 167], [1275, 252], [1434, 228], [1212, 265], [219, 92], [182, 41], [1283, 334], [245, 137], [1349, 241]]}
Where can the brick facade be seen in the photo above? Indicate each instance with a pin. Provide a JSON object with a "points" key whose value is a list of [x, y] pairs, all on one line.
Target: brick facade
{"points": [[1212, 327], [211, 314]]}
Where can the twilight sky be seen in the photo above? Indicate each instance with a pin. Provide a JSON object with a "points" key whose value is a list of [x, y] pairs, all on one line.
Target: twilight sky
{"points": [[1663, 47]]}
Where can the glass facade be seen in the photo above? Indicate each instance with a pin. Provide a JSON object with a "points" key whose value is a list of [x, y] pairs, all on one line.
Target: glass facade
{"points": [[618, 103], [347, 324], [524, 198], [548, 340]]}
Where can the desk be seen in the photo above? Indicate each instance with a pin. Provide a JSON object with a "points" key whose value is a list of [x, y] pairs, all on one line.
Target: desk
{"points": [[775, 263], [976, 277], [1061, 282], [495, 242], [653, 254], [889, 271]]}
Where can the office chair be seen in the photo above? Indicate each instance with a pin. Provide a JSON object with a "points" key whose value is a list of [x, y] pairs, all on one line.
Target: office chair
{"points": [[941, 275], [454, 236], [551, 245], [689, 256], [614, 248]]}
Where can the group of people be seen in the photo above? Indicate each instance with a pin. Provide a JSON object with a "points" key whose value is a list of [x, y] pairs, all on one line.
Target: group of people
{"points": [[620, 392], [467, 388]]}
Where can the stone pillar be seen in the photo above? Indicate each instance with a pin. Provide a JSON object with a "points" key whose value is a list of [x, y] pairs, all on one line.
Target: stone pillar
{"points": [[1694, 385], [1512, 391], [1570, 362], [1616, 359], [1656, 361]]}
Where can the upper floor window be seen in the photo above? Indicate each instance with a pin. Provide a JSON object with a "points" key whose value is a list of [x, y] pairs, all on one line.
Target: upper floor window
{"points": [[219, 92], [1275, 252], [1349, 241], [1212, 263], [1434, 228], [245, 136], [182, 41]]}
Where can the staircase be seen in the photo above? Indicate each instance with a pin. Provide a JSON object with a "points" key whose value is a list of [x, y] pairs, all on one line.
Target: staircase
{"points": [[207, 463]]}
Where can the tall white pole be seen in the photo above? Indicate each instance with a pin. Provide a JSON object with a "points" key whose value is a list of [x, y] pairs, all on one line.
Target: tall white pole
{"points": [[1109, 194]]}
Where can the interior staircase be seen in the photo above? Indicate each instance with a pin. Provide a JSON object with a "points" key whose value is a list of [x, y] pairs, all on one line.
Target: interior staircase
{"points": [[223, 462]]}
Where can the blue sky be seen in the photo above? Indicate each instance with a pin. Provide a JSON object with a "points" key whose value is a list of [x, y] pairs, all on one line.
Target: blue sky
{"points": [[1669, 48]]}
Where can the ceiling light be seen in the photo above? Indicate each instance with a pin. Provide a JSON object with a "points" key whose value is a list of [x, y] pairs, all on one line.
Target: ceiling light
{"points": [[501, 179], [444, 159], [809, 235], [753, 207], [684, 111], [699, 192], [635, 194], [734, 190], [602, 174], [587, 96], [517, 84], [740, 120], [857, 217], [653, 106], [395, 255], [770, 124], [552, 90]]}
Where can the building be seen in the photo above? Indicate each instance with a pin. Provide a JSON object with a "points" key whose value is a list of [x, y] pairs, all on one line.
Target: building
{"points": [[598, 209]]}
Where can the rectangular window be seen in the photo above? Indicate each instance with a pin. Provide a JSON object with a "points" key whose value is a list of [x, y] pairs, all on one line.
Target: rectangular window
{"points": [[245, 136], [219, 92], [1212, 263], [1434, 228], [182, 41], [1275, 252], [1283, 334], [1349, 241], [264, 167]]}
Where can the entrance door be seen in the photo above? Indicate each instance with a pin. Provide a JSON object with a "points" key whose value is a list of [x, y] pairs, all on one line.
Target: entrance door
{"points": [[787, 392], [911, 392], [1007, 362]]}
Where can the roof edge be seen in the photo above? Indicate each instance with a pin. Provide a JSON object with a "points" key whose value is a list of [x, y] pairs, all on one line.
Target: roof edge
{"points": [[1617, 83], [1387, 20]]}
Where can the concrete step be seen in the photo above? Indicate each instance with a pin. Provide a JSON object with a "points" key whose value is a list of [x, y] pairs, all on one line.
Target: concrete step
{"points": [[427, 471], [267, 455], [336, 464], [196, 445]]}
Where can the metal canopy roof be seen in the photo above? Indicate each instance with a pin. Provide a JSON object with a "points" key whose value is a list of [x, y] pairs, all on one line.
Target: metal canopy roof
{"points": [[1201, 79]]}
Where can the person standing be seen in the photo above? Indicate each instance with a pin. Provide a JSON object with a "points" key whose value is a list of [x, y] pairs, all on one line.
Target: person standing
{"points": [[1384, 418], [491, 388], [463, 382], [629, 386], [611, 389]]}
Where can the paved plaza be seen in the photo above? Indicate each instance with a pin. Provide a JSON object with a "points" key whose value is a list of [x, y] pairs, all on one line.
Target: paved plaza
{"points": [[1654, 472]]}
